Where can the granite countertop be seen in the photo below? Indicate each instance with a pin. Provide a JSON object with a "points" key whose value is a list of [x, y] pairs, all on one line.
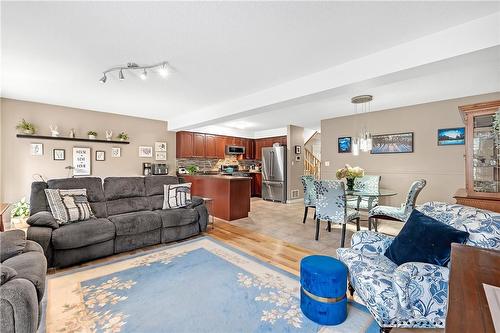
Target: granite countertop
{"points": [[219, 177]]}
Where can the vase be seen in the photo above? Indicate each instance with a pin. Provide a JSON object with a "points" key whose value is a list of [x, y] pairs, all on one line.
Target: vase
{"points": [[350, 184]]}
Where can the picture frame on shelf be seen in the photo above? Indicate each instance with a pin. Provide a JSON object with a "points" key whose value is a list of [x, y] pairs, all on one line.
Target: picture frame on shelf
{"points": [[145, 151], [161, 155], [344, 144], [451, 136], [116, 152], [396, 143], [100, 155], [58, 154], [36, 149], [81, 161], [160, 146]]}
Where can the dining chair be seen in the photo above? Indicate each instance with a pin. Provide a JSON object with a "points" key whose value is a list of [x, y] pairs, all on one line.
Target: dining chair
{"points": [[331, 206], [367, 183], [309, 195], [397, 213]]}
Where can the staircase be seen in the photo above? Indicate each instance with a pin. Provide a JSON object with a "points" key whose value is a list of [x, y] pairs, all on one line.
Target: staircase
{"points": [[312, 164]]}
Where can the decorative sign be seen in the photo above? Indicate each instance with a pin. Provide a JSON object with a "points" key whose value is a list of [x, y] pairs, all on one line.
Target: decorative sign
{"points": [[81, 161]]}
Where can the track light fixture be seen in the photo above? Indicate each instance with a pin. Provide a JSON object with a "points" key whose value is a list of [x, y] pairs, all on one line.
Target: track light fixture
{"points": [[162, 68]]}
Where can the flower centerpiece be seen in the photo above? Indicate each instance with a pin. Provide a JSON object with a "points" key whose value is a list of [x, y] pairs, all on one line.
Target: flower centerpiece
{"points": [[350, 173]]}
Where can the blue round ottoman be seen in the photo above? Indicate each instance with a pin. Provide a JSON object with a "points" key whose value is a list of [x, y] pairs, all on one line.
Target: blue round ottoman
{"points": [[323, 293]]}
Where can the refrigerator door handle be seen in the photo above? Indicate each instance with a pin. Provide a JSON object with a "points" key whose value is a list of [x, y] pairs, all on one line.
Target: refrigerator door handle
{"points": [[269, 182], [272, 163]]}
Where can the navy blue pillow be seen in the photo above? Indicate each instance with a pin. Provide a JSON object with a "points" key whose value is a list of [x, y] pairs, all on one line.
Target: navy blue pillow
{"points": [[424, 239]]}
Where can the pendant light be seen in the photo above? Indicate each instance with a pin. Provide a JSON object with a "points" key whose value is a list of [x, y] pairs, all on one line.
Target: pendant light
{"points": [[364, 140]]}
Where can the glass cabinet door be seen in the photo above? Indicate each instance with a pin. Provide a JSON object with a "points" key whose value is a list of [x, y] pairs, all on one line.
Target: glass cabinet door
{"points": [[485, 155]]}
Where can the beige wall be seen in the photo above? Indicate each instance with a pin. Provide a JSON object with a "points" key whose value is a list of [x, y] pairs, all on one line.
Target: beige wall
{"points": [[18, 166], [295, 169], [443, 167]]}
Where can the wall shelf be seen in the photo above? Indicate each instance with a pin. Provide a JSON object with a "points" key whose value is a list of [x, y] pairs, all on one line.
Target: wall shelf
{"points": [[61, 138]]}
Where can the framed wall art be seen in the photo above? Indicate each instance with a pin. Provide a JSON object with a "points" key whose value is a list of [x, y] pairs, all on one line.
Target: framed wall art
{"points": [[160, 146], [451, 136], [392, 143], [100, 155], [81, 161], [161, 156], [116, 152], [36, 149], [344, 144], [58, 154], [145, 151]]}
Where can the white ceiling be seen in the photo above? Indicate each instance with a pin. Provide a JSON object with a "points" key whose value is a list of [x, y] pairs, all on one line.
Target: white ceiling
{"points": [[224, 53]]}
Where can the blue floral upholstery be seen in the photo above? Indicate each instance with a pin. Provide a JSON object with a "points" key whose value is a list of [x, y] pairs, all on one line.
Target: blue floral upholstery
{"points": [[309, 191], [401, 213], [330, 202], [367, 183], [413, 294]]}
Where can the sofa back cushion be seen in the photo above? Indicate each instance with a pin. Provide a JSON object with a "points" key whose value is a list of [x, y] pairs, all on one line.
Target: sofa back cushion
{"points": [[483, 226], [38, 199], [125, 195], [93, 185], [155, 188]]}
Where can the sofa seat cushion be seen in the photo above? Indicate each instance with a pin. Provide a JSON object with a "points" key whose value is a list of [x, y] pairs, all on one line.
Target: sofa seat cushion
{"points": [[83, 233], [31, 266], [135, 222], [177, 217]]}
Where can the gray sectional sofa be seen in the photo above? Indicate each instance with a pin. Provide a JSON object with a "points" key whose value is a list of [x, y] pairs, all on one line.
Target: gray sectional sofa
{"points": [[23, 269], [128, 215]]}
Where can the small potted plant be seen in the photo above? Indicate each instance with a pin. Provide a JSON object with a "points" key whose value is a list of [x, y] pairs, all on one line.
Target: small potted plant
{"points": [[122, 136], [92, 135], [350, 173], [192, 169], [20, 212], [26, 127]]}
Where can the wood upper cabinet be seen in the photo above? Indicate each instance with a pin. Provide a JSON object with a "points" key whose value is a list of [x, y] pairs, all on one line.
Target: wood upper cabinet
{"points": [[210, 146], [184, 144], [198, 145], [249, 143], [220, 146]]}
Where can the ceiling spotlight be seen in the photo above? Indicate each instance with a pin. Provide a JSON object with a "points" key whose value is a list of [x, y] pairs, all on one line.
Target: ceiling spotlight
{"points": [[163, 70], [144, 75], [120, 75], [103, 79]]}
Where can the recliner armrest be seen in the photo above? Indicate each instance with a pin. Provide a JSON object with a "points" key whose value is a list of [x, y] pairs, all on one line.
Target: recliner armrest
{"points": [[370, 242], [422, 287], [195, 201]]}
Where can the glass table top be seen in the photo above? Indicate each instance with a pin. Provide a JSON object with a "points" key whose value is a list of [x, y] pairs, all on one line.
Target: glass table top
{"points": [[380, 193]]}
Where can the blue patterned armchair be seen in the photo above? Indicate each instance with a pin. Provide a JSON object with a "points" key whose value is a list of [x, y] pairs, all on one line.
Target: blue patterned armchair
{"points": [[367, 183], [309, 195], [413, 294], [331, 206], [397, 213]]}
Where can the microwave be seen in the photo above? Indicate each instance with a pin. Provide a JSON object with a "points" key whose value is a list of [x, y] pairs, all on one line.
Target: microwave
{"points": [[235, 150]]}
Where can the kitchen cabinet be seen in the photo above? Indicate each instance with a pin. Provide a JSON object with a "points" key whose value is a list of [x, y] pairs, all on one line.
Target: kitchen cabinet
{"points": [[249, 154], [256, 184], [210, 146], [184, 144], [220, 146], [198, 145]]}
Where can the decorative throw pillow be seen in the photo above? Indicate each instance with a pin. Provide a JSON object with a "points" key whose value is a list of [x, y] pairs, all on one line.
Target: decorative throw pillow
{"points": [[424, 239], [69, 205], [176, 195]]}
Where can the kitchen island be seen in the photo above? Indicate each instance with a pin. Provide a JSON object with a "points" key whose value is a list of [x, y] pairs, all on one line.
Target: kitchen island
{"points": [[230, 194]]}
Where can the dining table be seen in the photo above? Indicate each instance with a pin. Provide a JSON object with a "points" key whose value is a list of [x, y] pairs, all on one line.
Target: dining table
{"points": [[370, 195]]}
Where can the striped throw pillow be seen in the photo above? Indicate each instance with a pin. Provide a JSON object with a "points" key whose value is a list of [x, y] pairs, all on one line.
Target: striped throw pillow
{"points": [[69, 205], [176, 195]]}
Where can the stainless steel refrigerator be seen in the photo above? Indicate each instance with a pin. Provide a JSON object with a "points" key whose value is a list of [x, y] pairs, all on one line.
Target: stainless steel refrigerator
{"points": [[274, 173]]}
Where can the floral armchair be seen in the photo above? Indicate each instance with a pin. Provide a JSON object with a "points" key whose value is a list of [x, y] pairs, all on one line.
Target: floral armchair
{"points": [[309, 195], [413, 294]]}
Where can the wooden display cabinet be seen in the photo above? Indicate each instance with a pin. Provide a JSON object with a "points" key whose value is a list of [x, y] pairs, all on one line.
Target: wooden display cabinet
{"points": [[482, 157]]}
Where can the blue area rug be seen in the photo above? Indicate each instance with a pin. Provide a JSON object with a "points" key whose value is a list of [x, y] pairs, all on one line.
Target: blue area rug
{"points": [[197, 286]]}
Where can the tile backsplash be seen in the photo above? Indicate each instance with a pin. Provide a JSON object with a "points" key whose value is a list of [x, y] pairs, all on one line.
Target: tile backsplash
{"points": [[214, 164]]}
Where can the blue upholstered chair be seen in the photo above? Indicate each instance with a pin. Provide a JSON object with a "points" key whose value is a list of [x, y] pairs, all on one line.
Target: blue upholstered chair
{"points": [[309, 195], [397, 213], [414, 294], [367, 183], [331, 206]]}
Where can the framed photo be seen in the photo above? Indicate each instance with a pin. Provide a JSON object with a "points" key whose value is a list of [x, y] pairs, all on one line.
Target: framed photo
{"points": [[81, 161], [145, 151], [161, 156], [116, 152], [298, 149], [160, 146], [344, 144], [451, 136], [396, 143], [100, 155], [58, 154], [36, 149]]}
